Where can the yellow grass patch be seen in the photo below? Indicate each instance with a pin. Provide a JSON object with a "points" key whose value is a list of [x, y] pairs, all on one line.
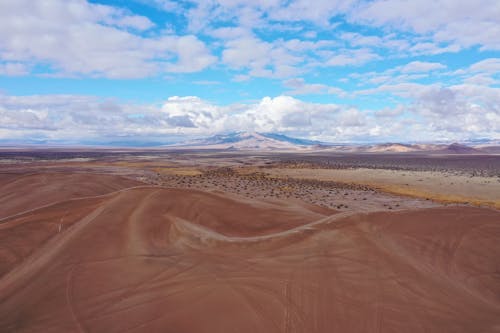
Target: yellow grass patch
{"points": [[246, 170], [435, 196], [287, 189]]}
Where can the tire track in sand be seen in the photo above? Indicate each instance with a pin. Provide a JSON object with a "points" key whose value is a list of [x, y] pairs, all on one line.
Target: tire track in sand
{"points": [[69, 300]]}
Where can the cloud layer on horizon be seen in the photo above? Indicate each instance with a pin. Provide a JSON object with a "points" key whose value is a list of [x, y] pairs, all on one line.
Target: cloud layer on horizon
{"points": [[436, 113], [340, 70]]}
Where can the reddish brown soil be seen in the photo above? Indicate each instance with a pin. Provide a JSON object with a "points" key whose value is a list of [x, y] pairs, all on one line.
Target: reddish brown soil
{"points": [[153, 259], [22, 192]]}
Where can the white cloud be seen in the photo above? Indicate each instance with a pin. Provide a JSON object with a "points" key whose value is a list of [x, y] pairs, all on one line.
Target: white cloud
{"points": [[442, 113], [192, 55], [260, 58], [285, 114], [453, 112], [69, 117], [353, 57], [14, 69], [95, 41], [411, 71], [485, 72], [195, 113], [229, 33], [421, 66], [73, 118], [432, 48], [359, 40], [480, 79], [167, 5], [390, 112], [465, 22], [266, 39], [490, 65], [319, 13], [299, 86], [352, 118], [95, 34]]}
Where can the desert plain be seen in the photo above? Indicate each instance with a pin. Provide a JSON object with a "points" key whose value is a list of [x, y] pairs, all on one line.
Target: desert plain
{"points": [[96, 240]]}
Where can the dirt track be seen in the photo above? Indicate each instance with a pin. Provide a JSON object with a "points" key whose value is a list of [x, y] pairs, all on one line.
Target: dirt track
{"points": [[154, 259]]}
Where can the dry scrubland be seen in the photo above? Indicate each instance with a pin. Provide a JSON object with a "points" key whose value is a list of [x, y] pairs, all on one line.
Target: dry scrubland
{"points": [[439, 186], [221, 242]]}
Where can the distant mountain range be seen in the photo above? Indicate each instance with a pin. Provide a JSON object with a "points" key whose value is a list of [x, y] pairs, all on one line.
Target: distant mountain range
{"points": [[249, 141], [256, 141], [279, 142]]}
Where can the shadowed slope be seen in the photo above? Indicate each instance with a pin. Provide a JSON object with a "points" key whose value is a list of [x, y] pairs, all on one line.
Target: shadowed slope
{"points": [[154, 259]]}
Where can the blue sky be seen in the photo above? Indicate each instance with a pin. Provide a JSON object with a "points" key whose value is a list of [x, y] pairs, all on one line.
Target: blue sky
{"points": [[74, 71]]}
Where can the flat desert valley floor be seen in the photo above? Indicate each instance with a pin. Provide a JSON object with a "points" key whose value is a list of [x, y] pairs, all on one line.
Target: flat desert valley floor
{"points": [[221, 241]]}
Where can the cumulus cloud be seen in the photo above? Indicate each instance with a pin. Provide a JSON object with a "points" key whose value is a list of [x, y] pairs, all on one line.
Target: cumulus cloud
{"points": [[490, 65], [68, 117], [420, 66], [348, 57], [262, 59], [464, 22], [286, 114], [14, 69], [298, 86], [390, 113], [443, 113], [320, 13], [94, 34], [437, 27], [412, 71], [79, 38], [201, 115], [392, 50], [450, 112]]}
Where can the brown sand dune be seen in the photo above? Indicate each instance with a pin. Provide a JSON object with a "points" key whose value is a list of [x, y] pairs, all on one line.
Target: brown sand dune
{"points": [[7, 178], [22, 235], [22, 192], [163, 260]]}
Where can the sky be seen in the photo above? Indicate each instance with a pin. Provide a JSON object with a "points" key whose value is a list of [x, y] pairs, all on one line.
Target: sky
{"points": [[162, 71]]}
